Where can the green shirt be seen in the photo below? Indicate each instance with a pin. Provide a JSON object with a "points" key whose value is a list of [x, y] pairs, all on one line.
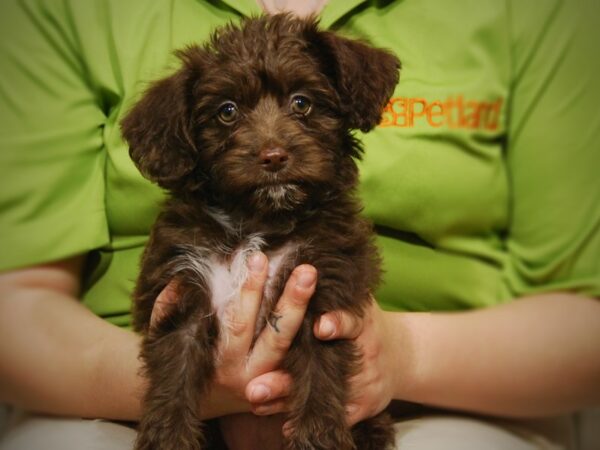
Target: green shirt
{"points": [[483, 178]]}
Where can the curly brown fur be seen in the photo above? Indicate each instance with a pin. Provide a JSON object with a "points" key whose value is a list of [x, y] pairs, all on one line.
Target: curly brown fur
{"points": [[280, 177]]}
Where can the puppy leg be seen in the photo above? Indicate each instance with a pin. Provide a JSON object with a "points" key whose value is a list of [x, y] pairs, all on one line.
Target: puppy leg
{"points": [[320, 371], [376, 433], [179, 364]]}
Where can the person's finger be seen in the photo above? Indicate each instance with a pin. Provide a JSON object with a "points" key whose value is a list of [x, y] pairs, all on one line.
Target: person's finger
{"points": [[284, 321], [287, 429], [338, 325], [365, 398], [268, 387], [354, 414], [242, 314], [165, 302], [268, 409]]}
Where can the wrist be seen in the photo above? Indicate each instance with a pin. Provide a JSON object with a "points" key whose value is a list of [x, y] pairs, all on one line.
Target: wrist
{"points": [[119, 381], [406, 344]]}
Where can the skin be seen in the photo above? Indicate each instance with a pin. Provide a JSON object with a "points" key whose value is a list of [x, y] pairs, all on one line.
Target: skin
{"points": [[57, 357], [301, 8], [536, 356]]}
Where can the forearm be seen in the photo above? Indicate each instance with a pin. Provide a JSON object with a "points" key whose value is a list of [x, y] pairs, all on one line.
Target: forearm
{"points": [[59, 358], [534, 356]]}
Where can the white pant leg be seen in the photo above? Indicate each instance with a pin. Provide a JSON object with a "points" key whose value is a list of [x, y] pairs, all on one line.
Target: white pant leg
{"points": [[438, 432], [449, 432], [36, 432]]}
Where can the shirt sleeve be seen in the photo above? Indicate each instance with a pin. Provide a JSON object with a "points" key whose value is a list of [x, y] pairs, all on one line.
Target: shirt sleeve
{"points": [[51, 139], [553, 150]]}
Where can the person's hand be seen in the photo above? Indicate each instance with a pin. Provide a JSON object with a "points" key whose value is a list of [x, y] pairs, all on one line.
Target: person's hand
{"points": [[238, 363], [374, 386]]}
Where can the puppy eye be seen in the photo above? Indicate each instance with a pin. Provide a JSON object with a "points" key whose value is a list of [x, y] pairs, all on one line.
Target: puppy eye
{"points": [[228, 112], [300, 105]]}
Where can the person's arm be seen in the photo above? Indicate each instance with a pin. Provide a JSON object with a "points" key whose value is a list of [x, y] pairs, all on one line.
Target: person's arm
{"points": [[57, 357], [536, 356]]}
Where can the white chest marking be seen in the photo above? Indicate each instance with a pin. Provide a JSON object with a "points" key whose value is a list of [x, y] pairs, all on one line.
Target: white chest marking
{"points": [[226, 280], [225, 277]]}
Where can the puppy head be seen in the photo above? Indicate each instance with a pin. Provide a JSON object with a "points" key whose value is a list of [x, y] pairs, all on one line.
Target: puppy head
{"points": [[262, 114]]}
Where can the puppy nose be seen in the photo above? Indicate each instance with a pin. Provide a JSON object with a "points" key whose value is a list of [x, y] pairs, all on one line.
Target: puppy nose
{"points": [[273, 159]]}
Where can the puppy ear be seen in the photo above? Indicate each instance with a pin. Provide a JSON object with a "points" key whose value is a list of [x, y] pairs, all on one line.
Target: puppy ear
{"points": [[364, 77], [158, 128]]}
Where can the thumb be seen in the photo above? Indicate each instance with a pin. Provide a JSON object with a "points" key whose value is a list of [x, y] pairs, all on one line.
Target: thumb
{"points": [[338, 325], [164, 304]]}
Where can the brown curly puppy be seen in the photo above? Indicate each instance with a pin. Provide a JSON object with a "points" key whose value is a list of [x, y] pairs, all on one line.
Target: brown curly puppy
{"points": [[251, 137]]}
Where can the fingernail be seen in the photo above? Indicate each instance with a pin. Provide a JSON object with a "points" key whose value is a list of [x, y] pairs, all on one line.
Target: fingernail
{"points": [[306, 279], [256, 262], [326, 328], [260, 393]]}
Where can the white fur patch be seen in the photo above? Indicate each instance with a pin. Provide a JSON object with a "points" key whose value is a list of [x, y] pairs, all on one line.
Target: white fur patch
{"points": [[225, 276], [221, 218], [282, 196]]}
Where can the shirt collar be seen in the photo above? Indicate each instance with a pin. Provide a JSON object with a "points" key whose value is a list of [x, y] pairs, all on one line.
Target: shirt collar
{"points": [[332, 12]]}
